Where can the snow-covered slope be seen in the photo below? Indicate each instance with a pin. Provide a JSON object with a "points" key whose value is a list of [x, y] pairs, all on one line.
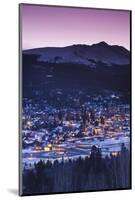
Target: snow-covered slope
{"points": [[83, 54]]}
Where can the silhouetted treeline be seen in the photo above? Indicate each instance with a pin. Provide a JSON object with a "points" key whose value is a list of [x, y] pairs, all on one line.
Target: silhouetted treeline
{"points": [[91, 173]]}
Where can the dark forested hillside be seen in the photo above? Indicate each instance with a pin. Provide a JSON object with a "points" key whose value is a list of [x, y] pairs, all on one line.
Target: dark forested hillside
{"points": [[40, 77], [91, 173]]}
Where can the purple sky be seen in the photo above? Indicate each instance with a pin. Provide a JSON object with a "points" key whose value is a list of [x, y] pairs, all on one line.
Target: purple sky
{"points": [[52, 26]]}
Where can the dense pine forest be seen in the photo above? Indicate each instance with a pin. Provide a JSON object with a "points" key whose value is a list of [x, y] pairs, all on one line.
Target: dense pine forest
{"points": [[89, 174]]}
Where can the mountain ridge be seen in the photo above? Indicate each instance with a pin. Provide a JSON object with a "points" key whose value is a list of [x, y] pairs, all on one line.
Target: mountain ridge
{"points": [[83, 54]]}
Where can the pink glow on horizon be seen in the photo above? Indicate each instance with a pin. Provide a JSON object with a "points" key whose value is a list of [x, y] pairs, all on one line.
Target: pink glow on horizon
{"points": [[44, 26]]}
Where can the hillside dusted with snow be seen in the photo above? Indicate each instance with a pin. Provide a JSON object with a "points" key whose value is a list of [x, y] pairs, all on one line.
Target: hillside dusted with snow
{"points": [[77, 67], [83, 54]]}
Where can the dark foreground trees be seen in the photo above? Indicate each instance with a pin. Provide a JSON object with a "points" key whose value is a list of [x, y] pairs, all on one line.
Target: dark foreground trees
{"points": [[91, 173]]}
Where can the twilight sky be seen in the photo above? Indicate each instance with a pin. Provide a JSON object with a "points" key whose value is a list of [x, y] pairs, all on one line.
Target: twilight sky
{"points": [[44, 26]]}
